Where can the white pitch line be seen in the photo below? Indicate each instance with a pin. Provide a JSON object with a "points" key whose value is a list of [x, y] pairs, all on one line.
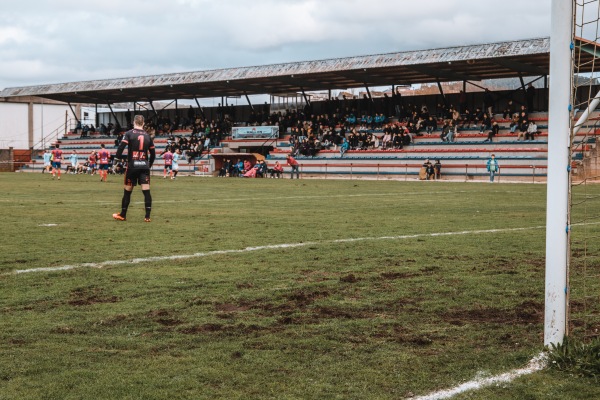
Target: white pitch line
{"points": [[258, 248], [536, 364]]}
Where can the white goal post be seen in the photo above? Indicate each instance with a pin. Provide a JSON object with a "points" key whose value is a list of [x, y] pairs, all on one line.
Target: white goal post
{"points": [[557, 210]]}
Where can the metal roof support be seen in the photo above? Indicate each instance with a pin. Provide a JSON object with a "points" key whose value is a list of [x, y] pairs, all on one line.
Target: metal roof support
{"points": [[73, 111], [442, 93], [476, 85], [153, 109], [113, 113], [248, 100], [96, 117], [305, 97], [522, 82], [200, 108], [168, 105], [369, 93]]}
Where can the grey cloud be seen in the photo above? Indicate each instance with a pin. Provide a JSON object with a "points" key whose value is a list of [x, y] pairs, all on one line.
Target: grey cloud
{"points": [[68, 40]]}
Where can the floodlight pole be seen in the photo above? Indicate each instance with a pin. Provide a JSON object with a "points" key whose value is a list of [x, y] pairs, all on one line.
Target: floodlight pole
{"points": [[557, 219]]}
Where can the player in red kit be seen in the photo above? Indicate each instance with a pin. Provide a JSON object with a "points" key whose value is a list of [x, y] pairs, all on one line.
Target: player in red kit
{"points": [[56, 160], [168, 157], [140, 157], [92, 161], [103, 162]]}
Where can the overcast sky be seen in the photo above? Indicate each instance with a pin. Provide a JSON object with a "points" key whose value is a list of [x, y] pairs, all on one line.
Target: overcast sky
{"points": [[73, 40]]}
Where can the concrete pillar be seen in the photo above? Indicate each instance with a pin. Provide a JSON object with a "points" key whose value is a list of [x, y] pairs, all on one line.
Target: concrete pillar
{"points": [[30, 124]]}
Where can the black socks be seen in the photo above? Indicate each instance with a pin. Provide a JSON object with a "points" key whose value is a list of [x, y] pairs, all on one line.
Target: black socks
{"points": [[147, 202]]}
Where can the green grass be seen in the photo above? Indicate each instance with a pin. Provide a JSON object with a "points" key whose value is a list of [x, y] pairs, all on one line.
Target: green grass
{"points": [[385, 316]]}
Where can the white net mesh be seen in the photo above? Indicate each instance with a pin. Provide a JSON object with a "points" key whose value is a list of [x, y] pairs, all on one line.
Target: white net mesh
{"points": [[584, 265]]}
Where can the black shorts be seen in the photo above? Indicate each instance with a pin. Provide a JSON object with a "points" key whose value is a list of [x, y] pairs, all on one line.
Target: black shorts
{"points": [[135, 176]]}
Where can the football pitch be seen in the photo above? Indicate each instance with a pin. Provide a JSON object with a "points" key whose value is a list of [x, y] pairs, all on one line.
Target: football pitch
{"points": [[272, 289]]}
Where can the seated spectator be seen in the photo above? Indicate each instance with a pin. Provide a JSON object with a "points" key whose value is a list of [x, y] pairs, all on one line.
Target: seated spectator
{"points": [[486, 123], [387, 138], [262, 169], [523, 125], [452, 132], [379, 120], [532, 130], [514, 123], [247, 166], [252, 172], [277, 170], [430, 125], [509, 110], [238, 168], [397, 141], [344, 147], [224, 171], [493, 132]]}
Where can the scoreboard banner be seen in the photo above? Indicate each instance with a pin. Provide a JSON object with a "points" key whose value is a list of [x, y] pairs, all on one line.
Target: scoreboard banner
{"points": [[255, 132]]}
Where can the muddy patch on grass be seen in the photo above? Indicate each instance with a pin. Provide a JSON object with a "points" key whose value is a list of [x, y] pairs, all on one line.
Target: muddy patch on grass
{"points": [[308, 275], [233, 329], [90, 295], [163, 317], [390, 276], [404, 335], [230, 307], [528, 312], [350, 278]]}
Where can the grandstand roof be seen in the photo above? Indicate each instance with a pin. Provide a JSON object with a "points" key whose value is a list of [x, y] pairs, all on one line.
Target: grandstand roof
{"points": [[476, 62]]}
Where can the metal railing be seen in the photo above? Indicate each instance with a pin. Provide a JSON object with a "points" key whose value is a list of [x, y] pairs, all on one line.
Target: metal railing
{"points": [[54, 135]]}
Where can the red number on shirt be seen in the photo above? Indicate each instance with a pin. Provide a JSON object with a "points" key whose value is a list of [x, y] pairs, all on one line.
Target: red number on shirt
{"points": [[141, 140]]}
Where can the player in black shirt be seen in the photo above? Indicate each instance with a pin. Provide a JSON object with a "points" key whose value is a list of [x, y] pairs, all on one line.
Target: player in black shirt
{"points": [[140, 157]]}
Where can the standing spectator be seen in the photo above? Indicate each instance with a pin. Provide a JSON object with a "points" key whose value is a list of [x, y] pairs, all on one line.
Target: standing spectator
{"points": [[426, 170], [291, 161], [488, 102], [437, 168], [430, 171], [492, 167], [462, 102], [530, 95]]}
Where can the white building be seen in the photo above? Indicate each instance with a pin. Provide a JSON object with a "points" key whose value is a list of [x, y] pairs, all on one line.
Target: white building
{"points": [[33, 122]]}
